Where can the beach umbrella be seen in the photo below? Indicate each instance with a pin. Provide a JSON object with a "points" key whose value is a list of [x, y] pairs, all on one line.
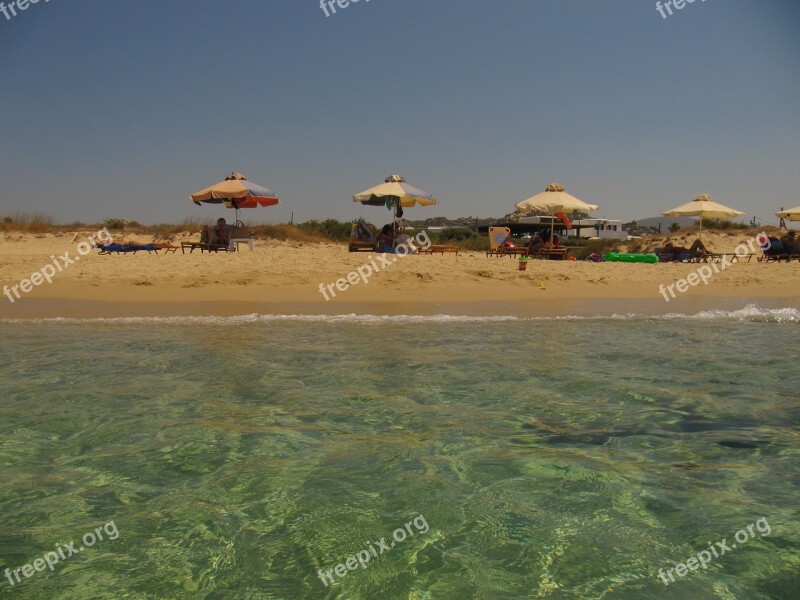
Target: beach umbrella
{"points": [[793, 214], [395, 193], [704, 207], [236, 192], [555, 200]]}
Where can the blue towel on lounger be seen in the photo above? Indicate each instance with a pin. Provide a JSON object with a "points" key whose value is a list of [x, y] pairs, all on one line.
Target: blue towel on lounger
{"points": [[121, 248]]}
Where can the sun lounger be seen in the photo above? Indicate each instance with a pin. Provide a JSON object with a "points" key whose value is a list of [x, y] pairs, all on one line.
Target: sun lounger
{"points": [[551, 253], [208, 242], [363, 238], [497, 237], [203, 246], [134, 248], [731, 257], [440, 249], [687, 257], [783, 256], [513, 251]]}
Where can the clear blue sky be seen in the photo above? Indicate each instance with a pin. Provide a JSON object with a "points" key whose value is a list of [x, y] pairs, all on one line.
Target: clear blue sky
{"points": [[122, 109]]}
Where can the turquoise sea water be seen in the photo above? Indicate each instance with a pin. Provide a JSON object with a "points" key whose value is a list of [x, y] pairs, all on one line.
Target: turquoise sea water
{"points": [[549, 458]]}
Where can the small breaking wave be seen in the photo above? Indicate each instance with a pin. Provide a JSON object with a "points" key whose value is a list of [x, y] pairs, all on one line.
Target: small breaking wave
{"points": [[749, 314]]}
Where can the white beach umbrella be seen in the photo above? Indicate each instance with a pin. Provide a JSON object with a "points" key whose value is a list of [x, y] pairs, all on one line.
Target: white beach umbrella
{"points": [[395, 186], [704, 207], [394, 193], [555, 200], [793, 214]]}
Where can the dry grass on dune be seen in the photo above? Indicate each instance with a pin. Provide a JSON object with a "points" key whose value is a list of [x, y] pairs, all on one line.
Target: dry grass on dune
{"points": [[19, 222], [332, 231]]}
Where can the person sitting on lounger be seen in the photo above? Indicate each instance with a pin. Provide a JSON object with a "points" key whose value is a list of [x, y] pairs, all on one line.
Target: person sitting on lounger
{"points": [[536, 244], [403, 239], [791, 243], [386, 240], [555, 244], [221, 232], [363, 234], [774, 248]]}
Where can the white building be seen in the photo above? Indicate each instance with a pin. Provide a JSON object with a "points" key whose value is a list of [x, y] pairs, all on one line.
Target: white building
{"points": [[609, 229], [587, 228]]}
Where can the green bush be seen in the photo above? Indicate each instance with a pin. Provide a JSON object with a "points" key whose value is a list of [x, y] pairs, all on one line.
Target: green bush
{"points": [[114, 224], [724, 224], [329, 228]]}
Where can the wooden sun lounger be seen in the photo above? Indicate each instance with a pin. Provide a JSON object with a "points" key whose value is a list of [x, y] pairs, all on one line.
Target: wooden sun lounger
{"points": [[204, 246], [516, 251], [440, 249], [718, 257], [551, 253], [362, 246], [682, 257], [778, 257]]}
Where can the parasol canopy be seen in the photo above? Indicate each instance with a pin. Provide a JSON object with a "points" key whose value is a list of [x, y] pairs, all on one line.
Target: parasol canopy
{"points": [[703, 206], [793, 214], [395, 186], [555, 200], [235, 191]]}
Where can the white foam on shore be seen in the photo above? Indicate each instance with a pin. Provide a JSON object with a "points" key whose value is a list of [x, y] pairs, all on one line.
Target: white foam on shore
{"points": [[748, 314]]}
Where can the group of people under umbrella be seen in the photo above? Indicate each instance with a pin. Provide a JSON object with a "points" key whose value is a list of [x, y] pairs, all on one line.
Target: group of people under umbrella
{"points": [[396, 194]]}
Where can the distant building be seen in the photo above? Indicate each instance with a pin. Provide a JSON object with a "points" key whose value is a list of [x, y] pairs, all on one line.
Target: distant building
{"points": [[607, 229], [602, 228]]}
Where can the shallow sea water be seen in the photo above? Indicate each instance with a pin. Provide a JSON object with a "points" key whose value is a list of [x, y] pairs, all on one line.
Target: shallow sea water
{"points": [[549, 458]]}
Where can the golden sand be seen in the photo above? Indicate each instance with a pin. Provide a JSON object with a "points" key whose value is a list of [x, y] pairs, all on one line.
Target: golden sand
{"points": [[285, 277]]}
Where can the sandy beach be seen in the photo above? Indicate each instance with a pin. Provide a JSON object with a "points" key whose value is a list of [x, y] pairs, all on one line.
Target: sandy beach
{"points": [[285, 278]]}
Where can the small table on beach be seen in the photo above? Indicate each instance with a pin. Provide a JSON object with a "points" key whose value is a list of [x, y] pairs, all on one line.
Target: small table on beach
{"points": [[233, 245]]}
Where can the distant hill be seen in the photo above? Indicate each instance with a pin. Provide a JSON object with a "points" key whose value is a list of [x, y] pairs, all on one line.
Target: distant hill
{"points": [[638, 227], [474, 221]]}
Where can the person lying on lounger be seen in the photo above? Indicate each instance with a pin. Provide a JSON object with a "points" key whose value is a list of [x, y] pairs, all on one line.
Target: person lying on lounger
{"points": [[696, 249]]}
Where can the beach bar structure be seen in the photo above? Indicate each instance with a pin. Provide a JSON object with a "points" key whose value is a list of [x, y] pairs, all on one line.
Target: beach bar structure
{"points": [[606, 229]]}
